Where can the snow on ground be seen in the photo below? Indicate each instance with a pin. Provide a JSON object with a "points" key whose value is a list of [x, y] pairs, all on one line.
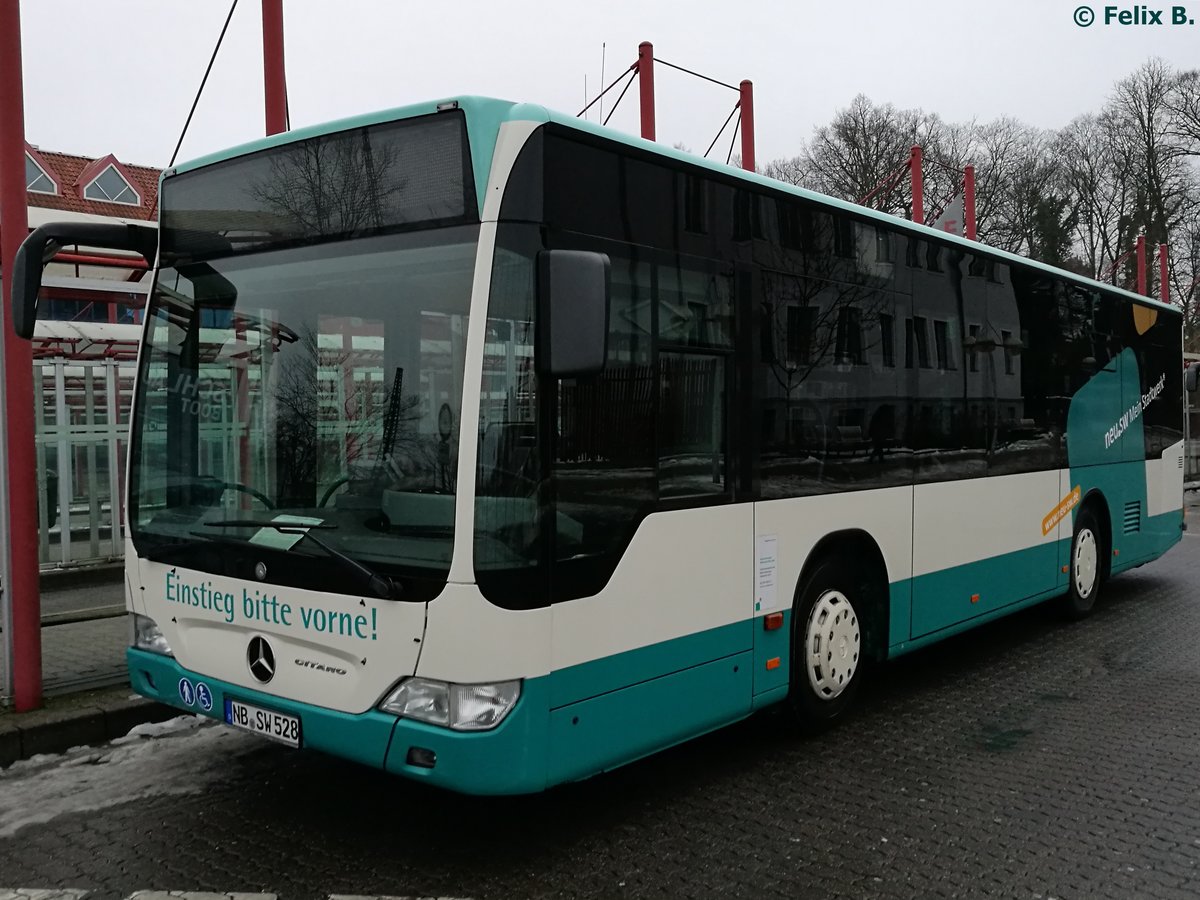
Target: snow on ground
{"points": [[179, 756]]}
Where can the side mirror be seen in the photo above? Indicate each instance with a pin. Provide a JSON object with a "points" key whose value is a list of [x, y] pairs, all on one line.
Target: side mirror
{"points": [[574, 287], [41, 245], [1191, 376]]}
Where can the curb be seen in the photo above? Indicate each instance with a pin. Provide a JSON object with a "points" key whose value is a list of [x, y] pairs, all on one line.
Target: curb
{"points": [[65, 578], [78, 719]]}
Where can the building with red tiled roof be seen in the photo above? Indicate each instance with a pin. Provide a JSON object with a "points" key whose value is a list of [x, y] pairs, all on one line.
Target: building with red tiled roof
{"points": [[84, 185], [82, 284]]}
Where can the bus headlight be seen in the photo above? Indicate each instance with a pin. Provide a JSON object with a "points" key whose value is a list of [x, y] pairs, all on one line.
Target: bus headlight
{"points": [[462, 707], [144, 634]]}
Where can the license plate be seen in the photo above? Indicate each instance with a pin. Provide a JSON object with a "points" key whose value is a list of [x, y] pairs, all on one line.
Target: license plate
{"points": [[274, 725]]}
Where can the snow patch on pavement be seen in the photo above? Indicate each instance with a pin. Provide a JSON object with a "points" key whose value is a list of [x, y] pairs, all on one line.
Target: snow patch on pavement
{"points": [[179, 756]]}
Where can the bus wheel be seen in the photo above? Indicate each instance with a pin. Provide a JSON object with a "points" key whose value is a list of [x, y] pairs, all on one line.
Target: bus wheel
{"points": [[828, 646], [1087, 565]]}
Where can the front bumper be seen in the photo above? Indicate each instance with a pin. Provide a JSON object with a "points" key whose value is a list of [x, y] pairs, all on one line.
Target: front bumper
{"points": [[510, 759]]}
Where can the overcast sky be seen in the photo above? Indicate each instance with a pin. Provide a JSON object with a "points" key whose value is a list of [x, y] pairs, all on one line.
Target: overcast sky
{"points": [[119, 75]]}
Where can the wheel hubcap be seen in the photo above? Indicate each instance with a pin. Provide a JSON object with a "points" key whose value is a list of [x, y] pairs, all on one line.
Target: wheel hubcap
{"points": [[832, 645], [1086, 563]]}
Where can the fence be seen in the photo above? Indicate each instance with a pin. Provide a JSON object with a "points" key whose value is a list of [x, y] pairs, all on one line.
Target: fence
{"points": [[81, 420]]}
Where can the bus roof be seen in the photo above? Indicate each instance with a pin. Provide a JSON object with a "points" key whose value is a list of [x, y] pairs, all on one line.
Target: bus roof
{"points": [[485, 115]]}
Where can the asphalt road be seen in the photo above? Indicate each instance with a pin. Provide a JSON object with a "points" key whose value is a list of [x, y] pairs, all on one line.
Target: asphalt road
{"points": [[1031, 758]]}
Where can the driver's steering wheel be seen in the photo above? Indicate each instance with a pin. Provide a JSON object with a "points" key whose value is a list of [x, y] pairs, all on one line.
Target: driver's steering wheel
{"points": [[244, 489], [210, 482], [329, 491]]}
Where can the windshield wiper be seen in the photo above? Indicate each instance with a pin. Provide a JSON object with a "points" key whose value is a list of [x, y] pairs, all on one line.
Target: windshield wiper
{"points": [[375, 583]]}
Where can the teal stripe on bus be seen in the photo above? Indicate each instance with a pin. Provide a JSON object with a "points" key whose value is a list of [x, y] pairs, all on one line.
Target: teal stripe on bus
{"points": [[622, 726], [610, 673], [362, 737], [996, 583]]}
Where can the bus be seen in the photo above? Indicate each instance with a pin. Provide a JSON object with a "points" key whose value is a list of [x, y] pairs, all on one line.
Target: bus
{"points": [[495, 449]]}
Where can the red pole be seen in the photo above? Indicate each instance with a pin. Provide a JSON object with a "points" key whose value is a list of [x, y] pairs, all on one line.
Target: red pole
{"points": [[20, 518], [274, 82], [101, 259], [918, 186], [1141, 264], [747, 105], [646, 87], [1164, 282], [969, 201]]}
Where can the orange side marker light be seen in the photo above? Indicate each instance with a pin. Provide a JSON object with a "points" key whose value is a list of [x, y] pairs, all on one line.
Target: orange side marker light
{"points": [[773, 621], [773, 663], [974, 598], [1066, 569]]}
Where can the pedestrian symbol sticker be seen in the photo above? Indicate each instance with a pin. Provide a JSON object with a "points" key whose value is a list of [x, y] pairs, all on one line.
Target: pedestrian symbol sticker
{"points": [[204, 696], [187, 693]]}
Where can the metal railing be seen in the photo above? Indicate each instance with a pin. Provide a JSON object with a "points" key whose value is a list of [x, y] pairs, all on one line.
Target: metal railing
{"points": [[81, 421]]}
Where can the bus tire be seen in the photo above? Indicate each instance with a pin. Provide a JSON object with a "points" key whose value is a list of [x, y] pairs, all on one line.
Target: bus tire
{"points": [[829, 652], [1085, 573]]}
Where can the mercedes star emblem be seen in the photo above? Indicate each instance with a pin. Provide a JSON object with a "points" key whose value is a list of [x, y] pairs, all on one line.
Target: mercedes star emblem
{"points": [[261, 659], [260, 571]]}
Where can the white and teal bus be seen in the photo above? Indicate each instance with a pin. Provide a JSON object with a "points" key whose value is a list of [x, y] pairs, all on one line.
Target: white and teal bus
{"points": [[494, 449]]}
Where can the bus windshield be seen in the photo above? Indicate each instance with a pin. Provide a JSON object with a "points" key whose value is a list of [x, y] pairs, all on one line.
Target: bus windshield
{"points": [[322, 383], [303, 357]]}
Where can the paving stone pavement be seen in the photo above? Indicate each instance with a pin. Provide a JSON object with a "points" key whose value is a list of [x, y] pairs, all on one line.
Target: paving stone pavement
{"points": [[1030, 758], [84, 655], [69, 894], [87, 654], [81, 590]]}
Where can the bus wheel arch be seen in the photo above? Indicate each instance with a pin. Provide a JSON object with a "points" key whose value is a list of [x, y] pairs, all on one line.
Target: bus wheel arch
{"points": [[1089, 557], [839, 626], [1096, 502]]}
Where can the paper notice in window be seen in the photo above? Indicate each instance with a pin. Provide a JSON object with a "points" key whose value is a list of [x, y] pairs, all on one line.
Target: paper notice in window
{"points": [[283, 540], [766, 572]]}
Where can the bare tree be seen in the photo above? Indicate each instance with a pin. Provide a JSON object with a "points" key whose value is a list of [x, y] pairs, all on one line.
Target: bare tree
{"points": [[865, 149], [1076, 198], [790, 170], [340, 184], [1024, 203], [864, 143], [1141, 119], [1184, 104]]}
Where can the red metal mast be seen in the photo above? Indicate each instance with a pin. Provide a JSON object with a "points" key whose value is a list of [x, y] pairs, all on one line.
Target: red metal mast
{"points": [[969, 201], [747, 104], [918, 186], [645, 66], [274, 81], [19, 518]]}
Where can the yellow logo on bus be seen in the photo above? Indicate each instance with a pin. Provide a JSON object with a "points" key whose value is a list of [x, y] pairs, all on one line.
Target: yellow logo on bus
{"points": [[1065, 505], [1144, 318]]}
